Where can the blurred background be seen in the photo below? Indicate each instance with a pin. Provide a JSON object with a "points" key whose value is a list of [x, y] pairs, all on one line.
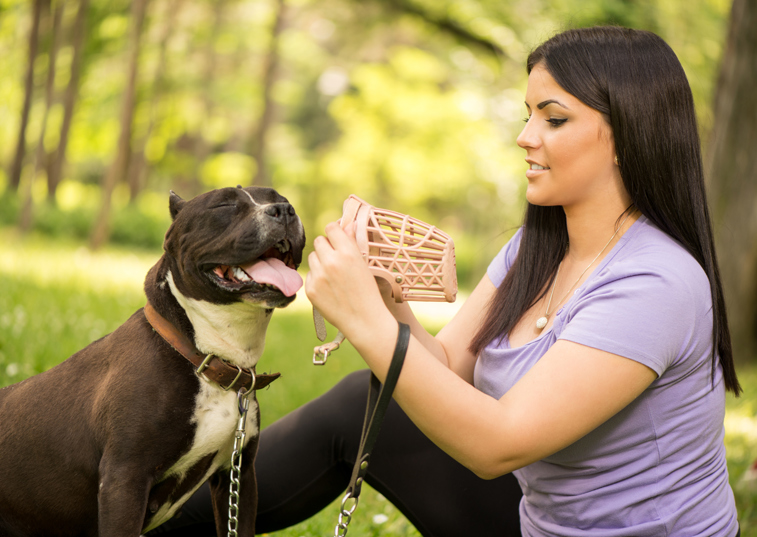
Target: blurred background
{"points": [[414, 105]]}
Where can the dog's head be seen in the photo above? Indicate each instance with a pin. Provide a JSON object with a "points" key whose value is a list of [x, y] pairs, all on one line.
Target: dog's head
{"points": [[235, 245]]}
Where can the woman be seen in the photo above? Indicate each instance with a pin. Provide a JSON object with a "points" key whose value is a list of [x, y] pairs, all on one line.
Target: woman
{"points": [[592, 359]]}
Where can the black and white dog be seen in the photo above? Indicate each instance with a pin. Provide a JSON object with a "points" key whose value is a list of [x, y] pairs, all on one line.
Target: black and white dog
{"points": [[113, 441]]}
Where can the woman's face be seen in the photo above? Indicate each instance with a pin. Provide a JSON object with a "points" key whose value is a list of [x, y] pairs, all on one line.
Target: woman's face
{"points": [[569, 147]]}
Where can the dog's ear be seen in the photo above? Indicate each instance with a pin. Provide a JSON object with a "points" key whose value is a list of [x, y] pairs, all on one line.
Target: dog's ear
{"points": [[175, 204]]}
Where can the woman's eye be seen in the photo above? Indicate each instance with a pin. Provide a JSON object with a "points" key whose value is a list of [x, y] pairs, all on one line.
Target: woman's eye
{"points": [[556, 122], [525, 119]]}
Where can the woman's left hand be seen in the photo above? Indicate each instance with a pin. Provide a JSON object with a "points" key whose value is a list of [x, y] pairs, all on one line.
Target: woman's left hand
{"points": [[339, 283]]}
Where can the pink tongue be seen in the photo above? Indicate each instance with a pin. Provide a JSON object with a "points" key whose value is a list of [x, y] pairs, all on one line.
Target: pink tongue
{"points": [[274, 272]]}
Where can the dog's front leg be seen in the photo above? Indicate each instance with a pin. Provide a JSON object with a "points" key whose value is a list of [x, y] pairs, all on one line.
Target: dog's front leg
{"points": [[122, 500], [248, 494]]}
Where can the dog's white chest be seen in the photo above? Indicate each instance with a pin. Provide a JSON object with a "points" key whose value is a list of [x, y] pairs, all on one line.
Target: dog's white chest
{"points": [[216, 417]]}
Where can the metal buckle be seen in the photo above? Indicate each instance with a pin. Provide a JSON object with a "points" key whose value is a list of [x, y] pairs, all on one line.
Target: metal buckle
{"points": [[326, 349], [203, 366], [318, 361]]}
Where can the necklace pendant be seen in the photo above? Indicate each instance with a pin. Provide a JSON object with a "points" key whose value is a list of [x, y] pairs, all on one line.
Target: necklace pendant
{"points": [[541, 322]]}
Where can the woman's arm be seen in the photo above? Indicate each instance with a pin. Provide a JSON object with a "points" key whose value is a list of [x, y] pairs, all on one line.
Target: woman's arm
{"points": [[572, 390], [450, 346]]}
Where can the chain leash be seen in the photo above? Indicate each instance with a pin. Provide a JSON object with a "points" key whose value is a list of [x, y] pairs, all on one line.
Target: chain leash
{"points": [[236, 461], [345, 515]]}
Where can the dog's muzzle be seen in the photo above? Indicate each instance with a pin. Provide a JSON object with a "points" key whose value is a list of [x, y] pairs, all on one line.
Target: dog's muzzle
{"points": [[416, 258]]}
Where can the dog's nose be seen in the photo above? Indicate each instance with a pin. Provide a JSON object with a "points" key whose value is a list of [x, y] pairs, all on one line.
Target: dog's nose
{"points": [[279, 210]]}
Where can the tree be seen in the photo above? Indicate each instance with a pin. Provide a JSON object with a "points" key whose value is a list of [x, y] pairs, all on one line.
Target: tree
{"points": [[732, 176], [260, 132], [118, 168], [138, 165], [18, 158], [200, 146], [25, 220], [78, 36]]}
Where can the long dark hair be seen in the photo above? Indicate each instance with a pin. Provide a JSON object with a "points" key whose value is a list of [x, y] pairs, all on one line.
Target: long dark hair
{"points": [[635, 79]]}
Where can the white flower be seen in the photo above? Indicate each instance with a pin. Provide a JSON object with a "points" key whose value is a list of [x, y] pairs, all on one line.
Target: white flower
{"points": [[380, 519]]}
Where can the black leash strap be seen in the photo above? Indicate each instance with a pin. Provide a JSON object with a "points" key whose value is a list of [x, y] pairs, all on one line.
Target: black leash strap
{"points": [[378, 401]]}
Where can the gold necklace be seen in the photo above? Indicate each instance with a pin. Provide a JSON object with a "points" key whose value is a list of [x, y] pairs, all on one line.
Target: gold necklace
{"points": [[541, 322]]}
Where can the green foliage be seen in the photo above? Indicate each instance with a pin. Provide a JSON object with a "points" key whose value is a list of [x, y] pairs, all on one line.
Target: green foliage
{"points": [[140, 225], [401, 102], [132, 225], [740, 441]]}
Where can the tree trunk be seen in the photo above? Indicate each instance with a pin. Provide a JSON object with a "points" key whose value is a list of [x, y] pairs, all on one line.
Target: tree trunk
{"points": [[201, 147], [258, 148], [732, 174], [138, 167], [18, 157], [118, 168], [58, 159], [27, 209]]}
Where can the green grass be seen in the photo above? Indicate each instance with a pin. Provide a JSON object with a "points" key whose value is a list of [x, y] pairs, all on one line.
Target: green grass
{"points": [[57, 296]]}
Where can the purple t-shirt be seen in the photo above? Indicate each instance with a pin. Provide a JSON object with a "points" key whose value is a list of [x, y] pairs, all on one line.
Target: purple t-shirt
{"points": [[658, 467]]}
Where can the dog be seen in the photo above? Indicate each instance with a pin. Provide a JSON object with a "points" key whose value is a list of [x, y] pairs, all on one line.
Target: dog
{"points": [[113, 440]]}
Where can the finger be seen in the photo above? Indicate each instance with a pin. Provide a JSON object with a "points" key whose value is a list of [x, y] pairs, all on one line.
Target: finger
{"points": [[351, 230], [322, 245], [340, 239], [314, 264]]}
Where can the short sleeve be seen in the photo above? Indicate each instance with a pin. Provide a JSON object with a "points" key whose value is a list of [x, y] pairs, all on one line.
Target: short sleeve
{"points": [[647, 316], [504, 260]]}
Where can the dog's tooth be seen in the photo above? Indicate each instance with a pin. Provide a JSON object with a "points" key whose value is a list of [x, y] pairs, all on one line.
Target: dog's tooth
{"points": [[241, 275]]}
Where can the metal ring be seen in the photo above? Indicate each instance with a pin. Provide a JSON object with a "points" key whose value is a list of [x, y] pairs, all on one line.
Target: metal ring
{"points": [[227, 388], [347, 497]]}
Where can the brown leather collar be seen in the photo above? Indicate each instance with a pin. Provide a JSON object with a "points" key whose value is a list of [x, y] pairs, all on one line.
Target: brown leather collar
{"points": [[208, 366]]}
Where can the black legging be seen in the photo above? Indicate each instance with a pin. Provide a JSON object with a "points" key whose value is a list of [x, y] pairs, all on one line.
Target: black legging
{"points": [[305, 461]]}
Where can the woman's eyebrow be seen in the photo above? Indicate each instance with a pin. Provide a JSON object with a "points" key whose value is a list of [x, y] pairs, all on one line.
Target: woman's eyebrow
{"points": [[545, 103]]}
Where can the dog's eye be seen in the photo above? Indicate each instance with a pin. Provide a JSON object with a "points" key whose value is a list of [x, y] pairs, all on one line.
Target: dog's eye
{"points": [[225, 206]]}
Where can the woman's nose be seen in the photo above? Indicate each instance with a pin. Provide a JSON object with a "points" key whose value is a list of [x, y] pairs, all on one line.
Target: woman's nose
{"points": [[527, 137]]}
